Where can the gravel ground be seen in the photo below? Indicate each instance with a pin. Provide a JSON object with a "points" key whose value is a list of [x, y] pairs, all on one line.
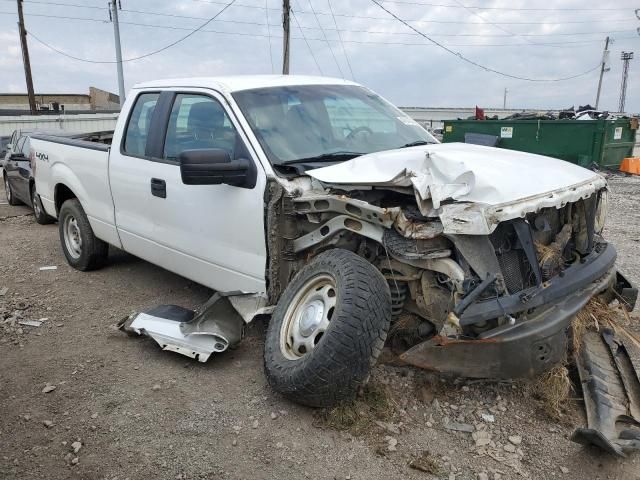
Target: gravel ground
{"points": [[123, 409]]}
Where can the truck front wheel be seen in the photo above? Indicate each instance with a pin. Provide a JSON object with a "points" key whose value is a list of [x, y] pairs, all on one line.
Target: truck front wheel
{"points": [[328, 329], [80, 246]]}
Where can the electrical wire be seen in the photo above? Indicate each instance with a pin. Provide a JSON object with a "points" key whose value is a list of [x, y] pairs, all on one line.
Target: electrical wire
{"points": [[295, 19], [368, 32], [564, 43], [344, 52], [331, 13], [324, 34], [139, 57], [476, 14], [472, 62], [512, 9]]}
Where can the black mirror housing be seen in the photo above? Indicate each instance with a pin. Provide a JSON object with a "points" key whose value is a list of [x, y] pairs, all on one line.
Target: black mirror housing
{"points": [[213, 166]]}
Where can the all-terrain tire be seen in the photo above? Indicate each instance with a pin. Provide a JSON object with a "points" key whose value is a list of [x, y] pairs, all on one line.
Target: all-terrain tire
{"points": [[93, 252], [11, 198], [341, 361]]}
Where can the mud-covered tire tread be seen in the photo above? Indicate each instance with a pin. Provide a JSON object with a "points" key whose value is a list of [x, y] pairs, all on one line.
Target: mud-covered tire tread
{"points": [[94, 251], [340, 364]]}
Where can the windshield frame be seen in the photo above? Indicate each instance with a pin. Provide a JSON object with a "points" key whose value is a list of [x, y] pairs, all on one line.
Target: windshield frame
{"points": [[406, 130]]}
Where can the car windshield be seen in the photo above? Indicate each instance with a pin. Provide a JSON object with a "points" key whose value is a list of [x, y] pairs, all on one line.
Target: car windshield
{"points": [[326, 122]]}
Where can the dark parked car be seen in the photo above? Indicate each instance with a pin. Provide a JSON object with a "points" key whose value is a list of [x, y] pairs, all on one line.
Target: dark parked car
{"points": [[19, 180], [4, 141]]}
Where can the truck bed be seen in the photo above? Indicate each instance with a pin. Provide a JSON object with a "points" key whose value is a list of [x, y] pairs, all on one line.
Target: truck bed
{"points": [[81, 164]]}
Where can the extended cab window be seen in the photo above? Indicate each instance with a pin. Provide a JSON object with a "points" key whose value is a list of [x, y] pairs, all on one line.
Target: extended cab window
{"points": [[135, 140], [198, 122]]}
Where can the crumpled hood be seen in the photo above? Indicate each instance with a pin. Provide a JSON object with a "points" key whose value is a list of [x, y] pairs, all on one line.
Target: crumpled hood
{"points": [[492, 183]]}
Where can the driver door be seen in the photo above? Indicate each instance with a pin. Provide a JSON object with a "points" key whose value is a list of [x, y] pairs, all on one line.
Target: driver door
{"points": [[212, 234]]}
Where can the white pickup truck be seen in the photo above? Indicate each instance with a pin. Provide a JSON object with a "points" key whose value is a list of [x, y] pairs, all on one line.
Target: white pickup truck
{"points": [[318, 202]]}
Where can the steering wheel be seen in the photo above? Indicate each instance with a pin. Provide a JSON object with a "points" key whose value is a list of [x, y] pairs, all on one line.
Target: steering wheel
{"points": [[358, 130]]}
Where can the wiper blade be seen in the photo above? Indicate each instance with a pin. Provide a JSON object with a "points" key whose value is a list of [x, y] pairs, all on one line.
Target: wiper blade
{"points": [[415, 144], [327, 157]]}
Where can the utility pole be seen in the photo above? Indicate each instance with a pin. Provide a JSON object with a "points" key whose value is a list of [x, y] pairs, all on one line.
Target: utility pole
{"points": [[286, 13], [25, 60], [504, 99], [603, 68], [626, 57], [116, 34]]}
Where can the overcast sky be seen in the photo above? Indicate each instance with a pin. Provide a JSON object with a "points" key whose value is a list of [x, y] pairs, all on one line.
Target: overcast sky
{"points": [[419, 74]]}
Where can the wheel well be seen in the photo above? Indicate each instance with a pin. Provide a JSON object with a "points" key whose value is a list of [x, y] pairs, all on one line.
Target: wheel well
{"points": [[61, 195]]}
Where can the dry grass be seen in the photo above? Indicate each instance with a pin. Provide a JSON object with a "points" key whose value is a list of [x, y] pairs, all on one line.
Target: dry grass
{"points": [[553, 388], [359, 415]]}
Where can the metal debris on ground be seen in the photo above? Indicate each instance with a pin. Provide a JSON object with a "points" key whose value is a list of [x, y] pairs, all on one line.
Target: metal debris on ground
{"points": [[50, 267]]}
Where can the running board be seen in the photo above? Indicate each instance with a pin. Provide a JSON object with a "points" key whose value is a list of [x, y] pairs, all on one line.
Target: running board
{"points": [[611, 389], [214, 328]]}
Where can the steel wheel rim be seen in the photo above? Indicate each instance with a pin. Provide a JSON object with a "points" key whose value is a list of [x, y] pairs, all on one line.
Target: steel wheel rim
{"points": [[36, 204], [7, 189], [308, 316], [72, 237]]}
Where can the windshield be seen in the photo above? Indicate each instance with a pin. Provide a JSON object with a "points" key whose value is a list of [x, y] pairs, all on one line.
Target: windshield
{"points": [[310, 122]]}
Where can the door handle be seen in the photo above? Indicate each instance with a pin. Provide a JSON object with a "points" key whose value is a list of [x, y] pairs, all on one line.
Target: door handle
{"points": [[158, 188]]}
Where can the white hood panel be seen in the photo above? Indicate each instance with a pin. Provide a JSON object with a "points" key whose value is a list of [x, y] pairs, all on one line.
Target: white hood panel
{"points": [[489, 184]]}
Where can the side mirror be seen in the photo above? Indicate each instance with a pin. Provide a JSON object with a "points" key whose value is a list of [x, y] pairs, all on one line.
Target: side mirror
{"points": [[213, 166], [17, 157]]}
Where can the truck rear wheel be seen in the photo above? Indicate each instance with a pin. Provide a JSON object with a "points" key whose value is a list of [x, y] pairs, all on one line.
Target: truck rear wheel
{"points": [[328, 329], [80, 246]]}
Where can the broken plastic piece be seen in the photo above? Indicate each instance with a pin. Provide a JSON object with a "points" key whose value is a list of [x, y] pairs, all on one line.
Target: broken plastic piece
{"points": [[213, 329], [611, 390]]}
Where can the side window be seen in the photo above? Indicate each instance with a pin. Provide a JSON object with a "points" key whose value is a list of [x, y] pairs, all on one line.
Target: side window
{"points": [[19, 145], [26, 147], [198, 122], [135, 140]]}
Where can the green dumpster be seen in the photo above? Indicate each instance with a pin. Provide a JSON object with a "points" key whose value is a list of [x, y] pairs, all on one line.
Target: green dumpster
{"points": [[585, 142]]}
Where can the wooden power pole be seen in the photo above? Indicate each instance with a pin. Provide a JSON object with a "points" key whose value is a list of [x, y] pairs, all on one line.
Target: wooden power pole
{"points": [[603, 68], [25, 60], [286, 18]]}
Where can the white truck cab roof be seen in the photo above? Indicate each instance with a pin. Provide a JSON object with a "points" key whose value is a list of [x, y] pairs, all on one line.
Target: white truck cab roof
{"points": [[236, 83]]}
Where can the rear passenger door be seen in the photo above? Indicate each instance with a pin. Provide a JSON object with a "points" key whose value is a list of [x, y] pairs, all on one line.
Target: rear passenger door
{"points": [[212, 234]]}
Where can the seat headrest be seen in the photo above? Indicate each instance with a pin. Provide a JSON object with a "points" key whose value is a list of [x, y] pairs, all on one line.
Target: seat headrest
{"points": [[205, 115]]}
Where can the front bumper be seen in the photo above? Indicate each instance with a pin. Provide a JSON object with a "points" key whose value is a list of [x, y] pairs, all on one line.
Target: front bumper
{"points": [[534, 344]]}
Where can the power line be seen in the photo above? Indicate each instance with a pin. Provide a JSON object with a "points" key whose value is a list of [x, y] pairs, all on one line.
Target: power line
{"points": [[331, 13], [326, 40], [476, 14], [344, 52], [295, 19], [368, 32], [564, 43], [514, 9], [488, 69], [192, 32]]}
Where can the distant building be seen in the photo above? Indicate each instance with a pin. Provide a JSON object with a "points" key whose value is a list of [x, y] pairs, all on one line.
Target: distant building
{"points": [[96, 100]]}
